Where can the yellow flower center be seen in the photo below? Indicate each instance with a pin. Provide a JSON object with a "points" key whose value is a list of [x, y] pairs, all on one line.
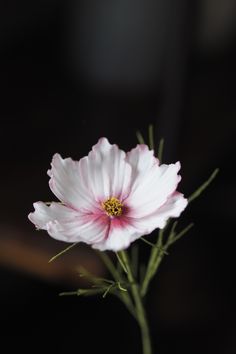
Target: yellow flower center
{"points": [[112, 206]]}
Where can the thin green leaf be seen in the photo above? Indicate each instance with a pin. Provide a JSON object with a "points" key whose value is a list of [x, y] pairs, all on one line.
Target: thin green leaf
{"points": [[109, 264], [199, 191], [121, 287], [153, 245], [107, 290], [62, 252], [142, 271], [151, 137], [69, 293], [121, 263], [119, 269], [83, 292], [140, 137], [181, 233], [172, 232], [160, 150], [93, 278], [153, 263]]}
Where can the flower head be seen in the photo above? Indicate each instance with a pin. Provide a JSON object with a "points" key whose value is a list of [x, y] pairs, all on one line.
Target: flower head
{"points": [[109, 198]]}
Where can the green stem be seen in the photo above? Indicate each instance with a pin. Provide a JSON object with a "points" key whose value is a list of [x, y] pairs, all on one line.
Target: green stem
{"points": [[154, 262], [123, 296], [141, 314]]}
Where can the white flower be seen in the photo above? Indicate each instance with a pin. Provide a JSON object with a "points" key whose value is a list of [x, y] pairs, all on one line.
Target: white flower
{"points": [[109, 198]]}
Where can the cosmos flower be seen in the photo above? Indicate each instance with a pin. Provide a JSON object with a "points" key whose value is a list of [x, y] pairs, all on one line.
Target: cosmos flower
{"points": [[109, 198]]}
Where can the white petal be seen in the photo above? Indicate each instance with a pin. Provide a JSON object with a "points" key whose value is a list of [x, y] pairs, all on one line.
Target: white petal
{"points": [[68, 184], [173, 207], [152, 183], [141, 160], [85, 228], [44, 213], [65, 224], [106, 171]]}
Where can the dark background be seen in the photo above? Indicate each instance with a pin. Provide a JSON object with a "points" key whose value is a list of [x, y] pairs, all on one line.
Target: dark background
{"points": [[73, 71]]}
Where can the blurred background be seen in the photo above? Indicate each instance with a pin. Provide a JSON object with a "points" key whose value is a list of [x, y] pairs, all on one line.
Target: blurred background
{"points": [[73, 71]]}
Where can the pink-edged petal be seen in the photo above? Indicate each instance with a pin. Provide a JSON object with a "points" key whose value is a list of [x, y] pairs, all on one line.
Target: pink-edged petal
{"points": [[121, 234], [106, 171], [44, 213], [66, 224], [152, 183], [68, 185], [173, 207], [89, 229]]}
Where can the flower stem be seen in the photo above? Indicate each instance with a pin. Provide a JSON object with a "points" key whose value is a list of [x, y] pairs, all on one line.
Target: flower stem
{"points": [[139, 307], [153, 264], [123, 296]]}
